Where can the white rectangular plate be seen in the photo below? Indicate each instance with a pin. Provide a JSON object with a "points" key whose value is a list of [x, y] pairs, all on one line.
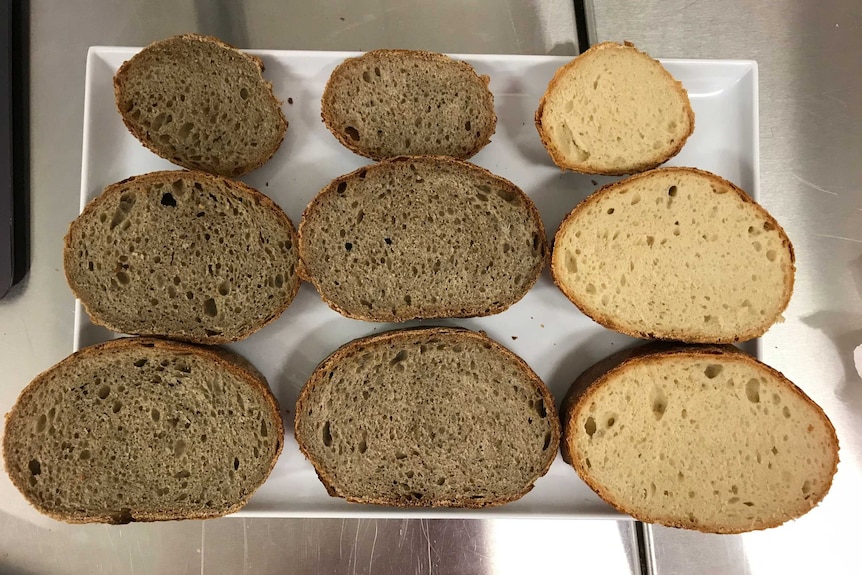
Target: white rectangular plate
{"points": [[543, 328]]}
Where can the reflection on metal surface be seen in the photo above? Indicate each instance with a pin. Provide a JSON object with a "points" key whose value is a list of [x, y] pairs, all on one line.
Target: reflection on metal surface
{"points": [[606, 547]]}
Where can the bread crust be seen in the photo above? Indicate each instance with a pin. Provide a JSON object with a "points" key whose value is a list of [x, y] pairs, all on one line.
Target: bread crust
{"points": [[582, 168], [227, 360], [327, 112], [442, 312], [166, 177], [617, 325], [319, 378], [141, 134], [582, 390]]}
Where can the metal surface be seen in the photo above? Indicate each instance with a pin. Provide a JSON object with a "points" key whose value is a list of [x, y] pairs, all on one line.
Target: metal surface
{"points": [[809, 54], [811, 136], [36, 317]]}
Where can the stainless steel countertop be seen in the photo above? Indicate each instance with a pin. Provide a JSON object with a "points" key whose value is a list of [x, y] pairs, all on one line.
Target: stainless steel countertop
{"points": [[811, 176]]}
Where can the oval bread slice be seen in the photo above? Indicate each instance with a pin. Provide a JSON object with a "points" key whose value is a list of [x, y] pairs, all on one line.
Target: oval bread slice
{"points": [[613, 110], [389, 103], [432, 417], [675, 253], [201, 104], [703, 438], [185, 255], [142, 429], [379, 242]]}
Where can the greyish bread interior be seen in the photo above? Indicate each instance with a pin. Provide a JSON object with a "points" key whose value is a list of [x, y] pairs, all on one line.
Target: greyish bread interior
{"points": [[379, 243], [613, 110], [675, 253], [389, 103], [201, 104], [703, 438], [432, 417], [142, 429], [184, 255]]}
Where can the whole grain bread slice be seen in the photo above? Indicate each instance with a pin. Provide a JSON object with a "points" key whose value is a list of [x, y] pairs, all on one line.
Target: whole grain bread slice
{"points": [[613, 110], [143, 429], [431, 417], [185, 255], [379, 243], [678, 254], [698, 437], [389, 103], [201, 104]]}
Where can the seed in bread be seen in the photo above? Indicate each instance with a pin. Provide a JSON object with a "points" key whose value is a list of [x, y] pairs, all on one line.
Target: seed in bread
{"points": [[675, 253], [389, 103], [699, 437], [613, 110], [186, 255], [379, 243], [142, 429], [432, 417], [201, 104]]}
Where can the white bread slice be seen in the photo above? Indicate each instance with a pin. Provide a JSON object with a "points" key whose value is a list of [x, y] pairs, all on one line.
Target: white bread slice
{"points": [[429, 417], [143, 429], [698, 437], [613, 110], [675, 253]]}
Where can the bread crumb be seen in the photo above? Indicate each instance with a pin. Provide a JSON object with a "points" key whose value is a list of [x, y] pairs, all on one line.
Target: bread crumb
{"points": [[595, 183], [514, 337], [541, 325], [290, 101]]}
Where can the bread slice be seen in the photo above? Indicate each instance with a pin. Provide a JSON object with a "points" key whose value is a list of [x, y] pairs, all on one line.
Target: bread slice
{"points": [[613, 110], [675, 253], [703, 438], [431, 417], [142, 429], [201, 104], [379, 243], [397, 102], [185, 255]]}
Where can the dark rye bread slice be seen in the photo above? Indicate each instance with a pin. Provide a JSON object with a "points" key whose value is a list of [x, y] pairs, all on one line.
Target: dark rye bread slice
{"points": [[389, 103], [379, 243], [678, 254], [185, 255], [142, 429], [201, 104], [613, 110], [431, 417], [698, 437]]}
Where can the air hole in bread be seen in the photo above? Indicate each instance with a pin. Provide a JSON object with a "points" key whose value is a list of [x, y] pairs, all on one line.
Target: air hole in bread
{"points": [[672, 191], [327, 435], [713, 370], [352, 133], [590, 426], [659, 402], [168, 200], [752, 390]]}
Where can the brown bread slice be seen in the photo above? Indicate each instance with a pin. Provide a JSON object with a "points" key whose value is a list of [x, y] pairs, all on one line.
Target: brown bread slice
{"points": [[186, 255], [698, 437], [379, 243], [142, 429], [613, 110], [389, 103], [432, 417], [201, 104], [675, 253]]}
